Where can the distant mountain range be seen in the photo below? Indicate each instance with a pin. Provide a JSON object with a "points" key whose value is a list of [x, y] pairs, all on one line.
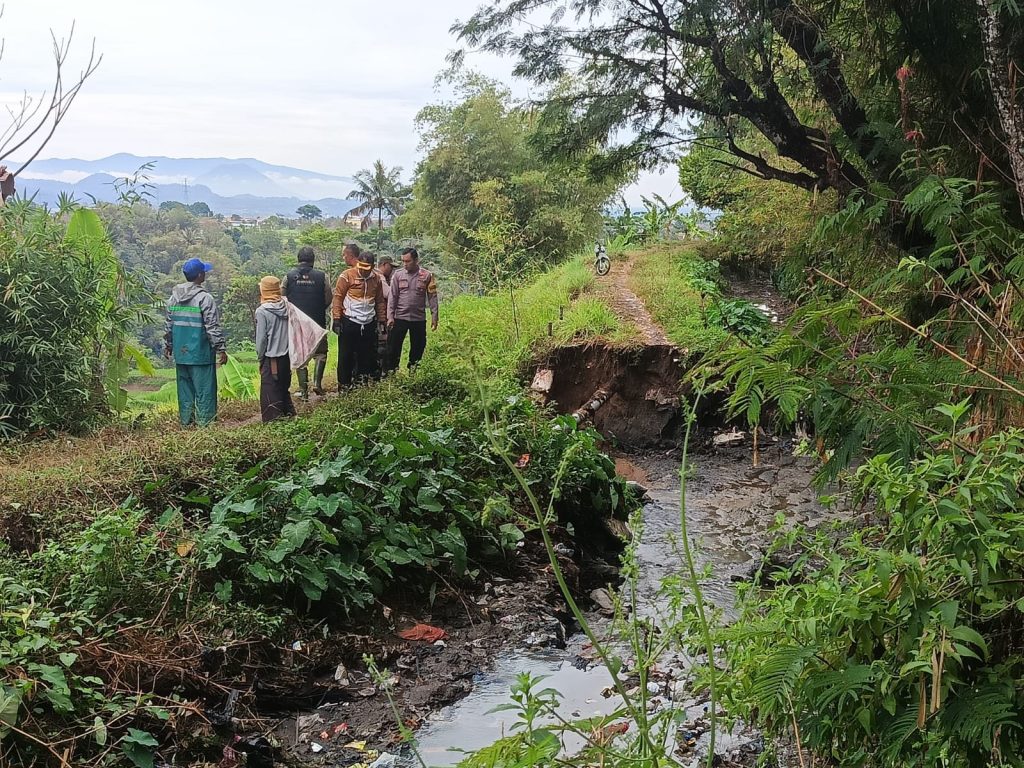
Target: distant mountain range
{"points": [[245, 186]]}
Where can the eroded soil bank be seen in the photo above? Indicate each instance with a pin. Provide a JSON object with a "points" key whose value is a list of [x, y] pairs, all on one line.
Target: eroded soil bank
{"points": [[446, 690], [631, 396]]}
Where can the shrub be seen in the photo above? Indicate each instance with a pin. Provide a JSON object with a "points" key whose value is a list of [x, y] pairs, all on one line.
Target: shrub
{"points": [[67, 309], [905, 646]]}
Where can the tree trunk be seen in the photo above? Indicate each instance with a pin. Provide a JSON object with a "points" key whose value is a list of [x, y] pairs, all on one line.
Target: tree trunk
{"points": [[1002, 80], [802, 32]]}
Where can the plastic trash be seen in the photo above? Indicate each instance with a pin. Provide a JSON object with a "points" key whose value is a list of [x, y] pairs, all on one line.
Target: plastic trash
{"points": [[423, 632]]}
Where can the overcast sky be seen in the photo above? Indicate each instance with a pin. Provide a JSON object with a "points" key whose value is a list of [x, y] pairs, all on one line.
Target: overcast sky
{"points": [[324, 86]]}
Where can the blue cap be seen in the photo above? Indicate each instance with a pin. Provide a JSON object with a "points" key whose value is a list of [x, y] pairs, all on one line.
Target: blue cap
{"points": [[193, 267]]}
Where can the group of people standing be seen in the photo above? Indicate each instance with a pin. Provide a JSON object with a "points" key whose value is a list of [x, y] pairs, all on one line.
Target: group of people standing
{"points": [[372, 307]]}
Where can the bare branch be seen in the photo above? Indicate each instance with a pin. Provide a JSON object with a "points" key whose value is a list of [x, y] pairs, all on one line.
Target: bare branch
{"points": [[768, 171], [34, 123]]}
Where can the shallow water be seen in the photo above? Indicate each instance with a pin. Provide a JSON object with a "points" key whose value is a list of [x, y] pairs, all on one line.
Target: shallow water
{"points": [[730, 510], [470, 723]]}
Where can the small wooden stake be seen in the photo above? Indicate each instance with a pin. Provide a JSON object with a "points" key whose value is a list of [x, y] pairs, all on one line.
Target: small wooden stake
{"points": [[561, 312], [551, 329]]}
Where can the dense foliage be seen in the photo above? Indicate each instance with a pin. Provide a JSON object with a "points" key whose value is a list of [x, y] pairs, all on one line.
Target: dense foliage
{"points": [[837, 91], [246, 537], [872, 157], [906, 647], [488, 198], [68, 312], [391, 505]]}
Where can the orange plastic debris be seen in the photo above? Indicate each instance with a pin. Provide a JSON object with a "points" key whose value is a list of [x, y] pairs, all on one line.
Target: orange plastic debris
{"points": [[615, 729], [423, 632]]}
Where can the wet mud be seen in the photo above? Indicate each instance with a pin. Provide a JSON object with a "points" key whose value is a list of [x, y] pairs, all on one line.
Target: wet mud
{"points": [[347, 714], [731, 510]]}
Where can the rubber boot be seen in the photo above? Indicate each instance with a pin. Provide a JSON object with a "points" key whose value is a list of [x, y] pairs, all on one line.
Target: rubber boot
{"points": [[303, 383], [318, 377]]}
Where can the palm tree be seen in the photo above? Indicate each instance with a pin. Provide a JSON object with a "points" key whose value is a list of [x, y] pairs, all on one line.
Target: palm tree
{"points": [[380, 189]]}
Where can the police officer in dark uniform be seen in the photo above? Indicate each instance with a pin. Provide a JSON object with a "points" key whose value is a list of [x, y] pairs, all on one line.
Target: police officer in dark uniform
{"points": [[310, 291]]}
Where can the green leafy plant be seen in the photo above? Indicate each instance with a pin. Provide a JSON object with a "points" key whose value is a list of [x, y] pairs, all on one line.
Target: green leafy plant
{"points": [[740, 317], [621, 243], [68, 310], [239, 382], [659, 217], [140, 748], [903, 646], [533, 745]]}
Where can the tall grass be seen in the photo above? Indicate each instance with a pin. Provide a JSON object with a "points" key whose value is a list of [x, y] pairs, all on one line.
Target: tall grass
{"points": [[502, 331], [678, 286]]}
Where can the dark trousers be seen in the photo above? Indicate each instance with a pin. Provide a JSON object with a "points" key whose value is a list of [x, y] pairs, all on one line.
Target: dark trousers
{"points": [[275, 381], [417, 330], [357, 351]]}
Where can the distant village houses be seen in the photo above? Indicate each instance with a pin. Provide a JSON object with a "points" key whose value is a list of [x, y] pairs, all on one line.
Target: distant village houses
{"points": [[244, 221], [365, 221], [357, 221]]}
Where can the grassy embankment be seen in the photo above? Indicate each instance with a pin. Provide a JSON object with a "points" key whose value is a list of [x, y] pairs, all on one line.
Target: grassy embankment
{"points": [[687, 296], [129, 551], [69, 476], [678, 286]]}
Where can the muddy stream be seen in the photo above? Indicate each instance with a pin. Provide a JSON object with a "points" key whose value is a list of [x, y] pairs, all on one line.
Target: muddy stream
{"points": [[730, 508]]}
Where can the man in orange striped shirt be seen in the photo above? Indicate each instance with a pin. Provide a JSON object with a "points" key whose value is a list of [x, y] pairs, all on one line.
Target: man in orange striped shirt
{"points": [[359, 304]]}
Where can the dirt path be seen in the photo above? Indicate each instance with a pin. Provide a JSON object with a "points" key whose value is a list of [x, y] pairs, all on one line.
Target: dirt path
{"points": [[614, 289]]}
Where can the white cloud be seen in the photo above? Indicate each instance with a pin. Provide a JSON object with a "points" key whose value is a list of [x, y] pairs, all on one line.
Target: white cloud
{"points": [[328, 87], [68, 177]]}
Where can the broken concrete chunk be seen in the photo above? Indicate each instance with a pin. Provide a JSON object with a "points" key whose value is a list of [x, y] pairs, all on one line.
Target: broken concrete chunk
{"points": [[543, 380], [728, 438]]}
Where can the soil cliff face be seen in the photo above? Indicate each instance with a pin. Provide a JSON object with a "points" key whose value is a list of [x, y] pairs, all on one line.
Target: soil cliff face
{"points": [[630, 395]]}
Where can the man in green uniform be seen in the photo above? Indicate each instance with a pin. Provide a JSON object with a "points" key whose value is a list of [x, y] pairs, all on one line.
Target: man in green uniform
{"points": [[194, 338]]}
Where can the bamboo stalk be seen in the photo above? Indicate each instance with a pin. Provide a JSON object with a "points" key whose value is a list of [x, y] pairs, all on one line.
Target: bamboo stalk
{"points": [[921, 334]]}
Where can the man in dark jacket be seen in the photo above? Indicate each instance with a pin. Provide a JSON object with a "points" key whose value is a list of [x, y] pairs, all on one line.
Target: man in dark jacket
{"points": [[310, 291], [193, 336]]}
